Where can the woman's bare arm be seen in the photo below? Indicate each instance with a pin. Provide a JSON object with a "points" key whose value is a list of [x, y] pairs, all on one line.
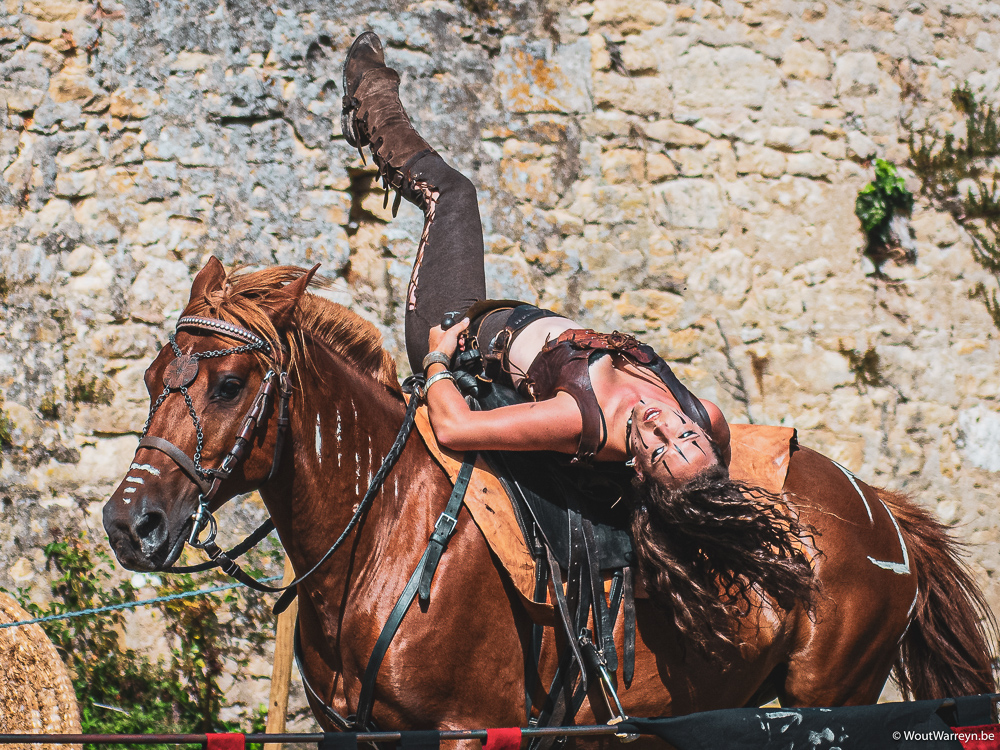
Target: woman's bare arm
{"points": [[720, 430], [553, 424]]}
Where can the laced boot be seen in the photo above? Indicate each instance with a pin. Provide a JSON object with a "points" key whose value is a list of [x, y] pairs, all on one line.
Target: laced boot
{"points": [[373, 116]]}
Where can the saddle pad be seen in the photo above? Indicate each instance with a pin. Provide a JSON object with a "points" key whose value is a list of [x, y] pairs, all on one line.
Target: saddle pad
{"points": [[761, 454], [490, 508]]}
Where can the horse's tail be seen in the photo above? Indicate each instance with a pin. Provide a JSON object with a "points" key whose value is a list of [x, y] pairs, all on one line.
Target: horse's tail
{"points": [[946, 651]]}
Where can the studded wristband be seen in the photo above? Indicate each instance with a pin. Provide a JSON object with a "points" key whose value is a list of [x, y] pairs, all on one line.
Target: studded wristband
{"points": [[435, 378], [436, 358]]}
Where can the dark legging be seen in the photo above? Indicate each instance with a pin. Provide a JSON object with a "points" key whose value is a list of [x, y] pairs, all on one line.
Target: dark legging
{"points": [[448, 273]]}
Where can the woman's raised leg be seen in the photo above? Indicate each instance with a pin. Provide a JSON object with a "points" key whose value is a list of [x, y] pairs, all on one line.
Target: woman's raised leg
{"points": [[448, 271]]}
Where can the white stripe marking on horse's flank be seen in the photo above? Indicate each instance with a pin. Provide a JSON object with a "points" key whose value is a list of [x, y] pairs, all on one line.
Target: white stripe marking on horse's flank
{"points": [[850, 478], [319, 440], [134, 480], [902, 568]]}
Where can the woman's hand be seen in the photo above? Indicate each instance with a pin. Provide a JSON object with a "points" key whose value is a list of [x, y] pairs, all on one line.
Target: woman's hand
{"points": [[440, 340]]}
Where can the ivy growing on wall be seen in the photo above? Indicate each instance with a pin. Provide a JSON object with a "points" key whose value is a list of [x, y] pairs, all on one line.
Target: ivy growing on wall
{"points": [[962, 176], [880, 206]]}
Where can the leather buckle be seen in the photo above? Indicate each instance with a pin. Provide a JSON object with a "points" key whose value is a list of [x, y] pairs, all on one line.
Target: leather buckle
{"points": [[445, 519]]}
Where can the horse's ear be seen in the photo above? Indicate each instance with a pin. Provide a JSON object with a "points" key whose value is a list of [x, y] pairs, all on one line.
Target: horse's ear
{"points": [[209, 279], [284, 301]]}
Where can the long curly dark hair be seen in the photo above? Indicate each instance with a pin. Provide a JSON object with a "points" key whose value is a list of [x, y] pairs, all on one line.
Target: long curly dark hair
{"points": [[704, 546]]}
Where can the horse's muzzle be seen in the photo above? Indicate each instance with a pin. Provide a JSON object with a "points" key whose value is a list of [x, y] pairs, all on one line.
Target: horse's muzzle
{"points": [[141, 539]]}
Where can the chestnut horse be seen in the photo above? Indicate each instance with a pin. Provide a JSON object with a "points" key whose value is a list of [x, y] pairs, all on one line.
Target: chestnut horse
{"points": [[890, 590]]}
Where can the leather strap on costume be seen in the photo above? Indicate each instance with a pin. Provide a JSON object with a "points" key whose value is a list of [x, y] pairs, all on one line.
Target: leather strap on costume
{"points": [[564, 365]]}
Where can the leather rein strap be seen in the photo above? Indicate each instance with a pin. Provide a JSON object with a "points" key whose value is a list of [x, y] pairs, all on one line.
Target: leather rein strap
{"points": [[419, 585]]}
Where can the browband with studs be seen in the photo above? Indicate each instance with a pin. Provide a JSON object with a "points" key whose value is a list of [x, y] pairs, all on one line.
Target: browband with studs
{"points": [[223, 328]]}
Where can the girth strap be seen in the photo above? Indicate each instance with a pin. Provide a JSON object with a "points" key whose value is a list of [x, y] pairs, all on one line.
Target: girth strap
{"points": [[422, 575], [180, 458]]}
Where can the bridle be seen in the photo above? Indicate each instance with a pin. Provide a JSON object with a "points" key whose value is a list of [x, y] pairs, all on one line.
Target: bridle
{"points": [[183, 371]]}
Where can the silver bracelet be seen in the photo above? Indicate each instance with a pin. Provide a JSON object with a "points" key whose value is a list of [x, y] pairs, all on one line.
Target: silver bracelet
{"points": [[445, 375], [436, 358]]}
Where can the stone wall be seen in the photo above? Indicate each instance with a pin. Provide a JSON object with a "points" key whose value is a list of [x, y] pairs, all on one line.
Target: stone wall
{"points": [[686, 171]]}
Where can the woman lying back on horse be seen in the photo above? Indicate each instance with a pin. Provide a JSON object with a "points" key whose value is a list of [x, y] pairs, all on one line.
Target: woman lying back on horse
{"points": [[603, 397]]}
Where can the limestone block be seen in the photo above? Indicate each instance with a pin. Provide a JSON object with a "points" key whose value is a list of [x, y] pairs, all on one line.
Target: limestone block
{"points": [[737, 76], [509, 278], [810, 165], [723, 276], [53, 214], [82, 152], [106, 462], [651, 305], [979, 436], [54, 10], [565, 222], [535, 76], [597, 311], [856, 74], [18, 174], [935, 227], [43, 31], [191, 61], [127, 148], [76, 184], [675, 134], [691, 203], [133, 102], [79, 261], [860, 145], [630, 16], [121, 417], [21, 99], [659, 167], [159, 290], [127, 341], [803, 61], [610, 267], [756, 159], [73, 84], [530, 181], [788, 139], [330, 206], [649, 96], [623, 165]]}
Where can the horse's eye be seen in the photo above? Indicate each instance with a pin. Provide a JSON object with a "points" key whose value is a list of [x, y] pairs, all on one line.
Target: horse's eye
{"points": [[229, 389]]}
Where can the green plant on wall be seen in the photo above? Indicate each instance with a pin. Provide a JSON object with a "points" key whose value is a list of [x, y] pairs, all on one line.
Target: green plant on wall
{"points": [[878, 203], [961, 175], [121, 690]]}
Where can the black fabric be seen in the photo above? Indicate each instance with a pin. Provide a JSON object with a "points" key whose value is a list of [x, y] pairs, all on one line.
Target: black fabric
{"points": [[339, 741], [425, 740], [450, 274], [890, 726]]}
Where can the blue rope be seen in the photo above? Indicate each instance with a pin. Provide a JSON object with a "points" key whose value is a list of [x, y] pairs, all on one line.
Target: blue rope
{"points": [[130, 605]]}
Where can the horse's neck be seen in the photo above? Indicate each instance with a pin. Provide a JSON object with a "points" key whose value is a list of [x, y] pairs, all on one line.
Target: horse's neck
{"points": [[342, 426]]}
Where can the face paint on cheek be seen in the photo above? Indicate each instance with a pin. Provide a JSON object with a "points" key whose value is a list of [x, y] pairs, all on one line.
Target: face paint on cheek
{"points": [[681, 454], [695, 444]]}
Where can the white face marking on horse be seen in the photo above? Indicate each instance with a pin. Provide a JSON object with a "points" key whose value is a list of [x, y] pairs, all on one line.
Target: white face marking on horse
{"points": [[134, 480], [357, 473], [129, 490], [146, 467], [371, 459], [319, 440]]}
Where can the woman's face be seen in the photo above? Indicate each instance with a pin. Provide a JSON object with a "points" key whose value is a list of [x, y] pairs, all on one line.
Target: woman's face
{"points": [[668, 446]]}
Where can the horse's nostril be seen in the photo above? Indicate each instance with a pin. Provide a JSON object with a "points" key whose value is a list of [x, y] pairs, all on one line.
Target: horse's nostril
{"points": [[147, 527]]}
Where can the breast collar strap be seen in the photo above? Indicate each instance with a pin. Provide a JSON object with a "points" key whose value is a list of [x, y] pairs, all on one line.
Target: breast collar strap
{"points": [[179, 375]]}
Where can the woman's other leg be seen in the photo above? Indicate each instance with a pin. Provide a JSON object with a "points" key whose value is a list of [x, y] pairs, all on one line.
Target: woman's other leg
{"points": [[448, 273]]}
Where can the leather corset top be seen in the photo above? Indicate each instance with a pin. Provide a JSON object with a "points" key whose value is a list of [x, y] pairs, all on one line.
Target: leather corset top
{"points": [[564, 365]]}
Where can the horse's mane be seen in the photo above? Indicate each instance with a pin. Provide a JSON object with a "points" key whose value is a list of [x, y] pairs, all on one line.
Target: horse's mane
{"points": [[246, 299]]}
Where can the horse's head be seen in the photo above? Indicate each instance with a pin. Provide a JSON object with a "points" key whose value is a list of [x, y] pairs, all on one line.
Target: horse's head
{"points": [[213, 430]]}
